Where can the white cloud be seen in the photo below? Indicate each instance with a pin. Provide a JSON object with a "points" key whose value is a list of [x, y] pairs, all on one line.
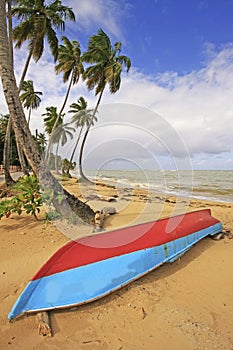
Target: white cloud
{"points": [[197, 106], [106, 14]]}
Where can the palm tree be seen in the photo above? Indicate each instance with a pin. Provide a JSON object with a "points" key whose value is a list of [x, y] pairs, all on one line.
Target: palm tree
{"points": [[51, 117], [106, 69], [60, 137], [29, 97], [41, 141], [10, 142], [8, 179], [10, 29], [39, 21], [6, 150], [24, 136], [82, 116], [69, 62], [3, 126]]}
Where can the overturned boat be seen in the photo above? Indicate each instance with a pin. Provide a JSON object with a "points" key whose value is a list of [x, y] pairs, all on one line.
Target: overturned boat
{"points": [[91, 267]]}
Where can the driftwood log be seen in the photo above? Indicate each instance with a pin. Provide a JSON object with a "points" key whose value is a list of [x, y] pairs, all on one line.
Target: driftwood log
{"points": [[99, 220], [101, 198], [100, 215], [44, 327], [225, 233]]}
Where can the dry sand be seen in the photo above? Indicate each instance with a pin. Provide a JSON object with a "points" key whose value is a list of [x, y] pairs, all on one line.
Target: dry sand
{"points": [[185, 305]]}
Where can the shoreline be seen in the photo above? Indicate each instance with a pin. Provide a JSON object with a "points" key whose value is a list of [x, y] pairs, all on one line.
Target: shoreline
{"points": [[131, 185], [173, 186], [184, 305]]}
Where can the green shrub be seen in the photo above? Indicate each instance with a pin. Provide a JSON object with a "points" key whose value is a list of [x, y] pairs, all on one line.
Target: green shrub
{"points": [[28, 198], [52, 215]]}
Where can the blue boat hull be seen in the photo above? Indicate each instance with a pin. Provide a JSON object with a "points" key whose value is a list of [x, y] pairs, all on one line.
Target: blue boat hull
{"points": [[90, 282]]}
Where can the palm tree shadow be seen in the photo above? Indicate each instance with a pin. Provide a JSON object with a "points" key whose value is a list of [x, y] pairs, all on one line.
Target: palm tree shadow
{"points": [[21, 221]]}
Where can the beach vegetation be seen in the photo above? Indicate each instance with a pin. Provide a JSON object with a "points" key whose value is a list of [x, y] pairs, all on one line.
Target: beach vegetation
{"points": [[52, 215], [66, 167], [28, 198]]}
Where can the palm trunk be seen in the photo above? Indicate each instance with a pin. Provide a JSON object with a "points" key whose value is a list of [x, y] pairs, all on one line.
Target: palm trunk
{"points": [[56, 121], [22, 159], [74, 150], [66, 97], [82, 175], [6, 151], [69, 202], [10, 31], [6, 155], [25, 69], [29, 115], [56, 159]]}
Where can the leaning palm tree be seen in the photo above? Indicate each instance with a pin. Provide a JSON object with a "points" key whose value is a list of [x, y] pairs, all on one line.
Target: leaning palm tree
{"points": [[106, 68], [6, 154], [29, 97], [3, 126], [82, 117], [39, 21], [8, 178], [41, 141], [69, 62], [24, 136], [10, 29], [51, 116], [6, 138], [60, 137]]}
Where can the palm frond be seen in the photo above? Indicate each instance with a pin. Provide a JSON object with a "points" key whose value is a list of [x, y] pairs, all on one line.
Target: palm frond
{"points": [[106, 63], [22, 32], [53, 42], [38, 49], [125, 60]]}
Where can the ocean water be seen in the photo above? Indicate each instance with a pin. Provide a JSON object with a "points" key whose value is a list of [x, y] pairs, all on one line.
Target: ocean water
{"points": [[203, 184]]}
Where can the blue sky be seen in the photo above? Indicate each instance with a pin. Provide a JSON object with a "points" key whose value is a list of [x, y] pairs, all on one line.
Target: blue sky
{"points": [[161, 35], [182, 71], [172, 34]]}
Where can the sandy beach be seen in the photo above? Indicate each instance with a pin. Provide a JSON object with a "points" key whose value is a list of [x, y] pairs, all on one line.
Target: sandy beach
{"points": [[184, 305]]}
